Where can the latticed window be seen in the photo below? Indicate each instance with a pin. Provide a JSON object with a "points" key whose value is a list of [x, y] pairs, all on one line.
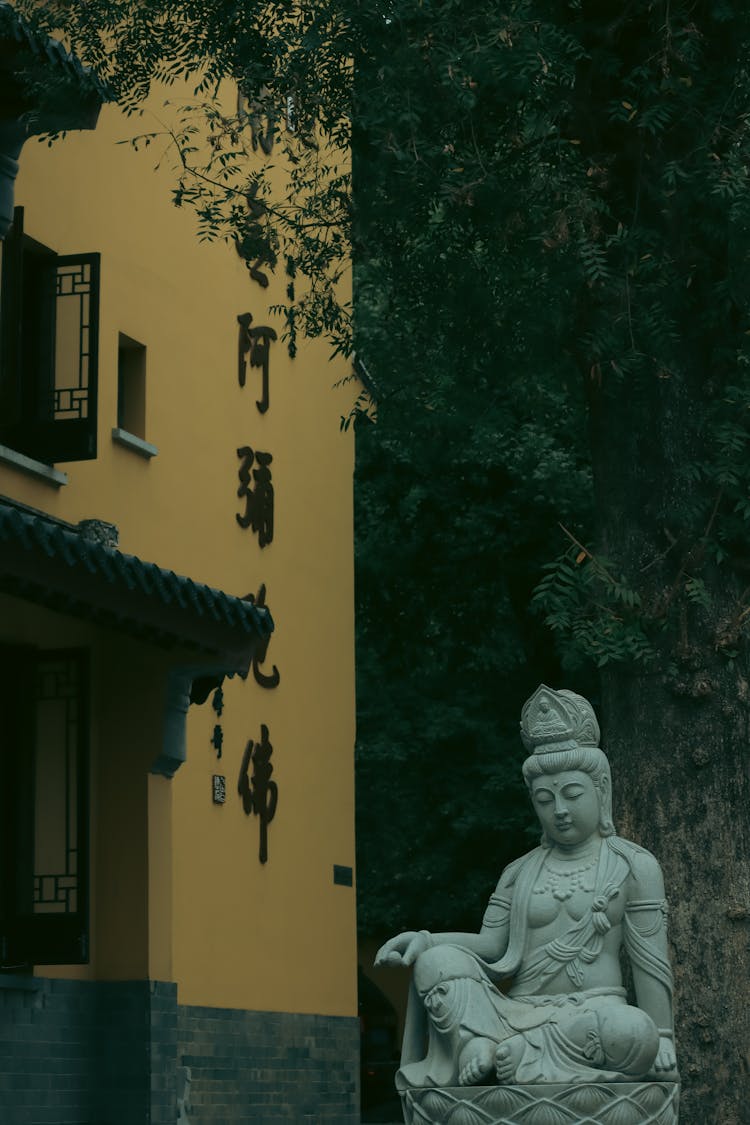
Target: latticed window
{"points": [[49, 316], [43, 807]]}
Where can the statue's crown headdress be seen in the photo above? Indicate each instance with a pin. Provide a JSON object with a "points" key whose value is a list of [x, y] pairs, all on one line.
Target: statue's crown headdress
{"points": [[557, 720]]}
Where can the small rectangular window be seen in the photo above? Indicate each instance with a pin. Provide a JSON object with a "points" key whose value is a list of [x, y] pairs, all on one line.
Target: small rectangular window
{"points": [[131, 386], [291, 113]]}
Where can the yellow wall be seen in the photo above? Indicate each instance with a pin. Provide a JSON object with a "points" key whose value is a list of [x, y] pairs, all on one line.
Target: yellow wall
{"points": [[236, 933]]}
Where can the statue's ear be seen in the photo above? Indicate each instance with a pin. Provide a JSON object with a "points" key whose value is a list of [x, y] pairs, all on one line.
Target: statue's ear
{"points": [[606, 825], [602, 792]]}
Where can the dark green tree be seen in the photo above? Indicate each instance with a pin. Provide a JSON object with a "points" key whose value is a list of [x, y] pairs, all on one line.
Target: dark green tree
{"points": [[572, 189], [550, 231]]}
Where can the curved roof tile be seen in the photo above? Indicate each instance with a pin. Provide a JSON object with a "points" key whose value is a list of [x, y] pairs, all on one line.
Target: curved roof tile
{"points": [[147, 594]]}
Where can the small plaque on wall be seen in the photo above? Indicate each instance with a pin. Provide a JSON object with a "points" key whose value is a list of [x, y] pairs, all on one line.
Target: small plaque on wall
{"points": [[219, 788]]}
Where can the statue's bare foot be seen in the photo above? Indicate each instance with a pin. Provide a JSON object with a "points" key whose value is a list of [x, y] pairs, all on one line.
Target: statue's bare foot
{"points": [[507, 1058], [476, 1062]]}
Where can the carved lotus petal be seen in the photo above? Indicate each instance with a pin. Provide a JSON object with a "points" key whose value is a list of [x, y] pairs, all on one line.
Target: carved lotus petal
{"points": [[505, 1101], [413, 1114], [544, 1113], [588, 1099], [433, 1105], [648, 1103], [653, 1096], [464, 1114], [623, 1111]]}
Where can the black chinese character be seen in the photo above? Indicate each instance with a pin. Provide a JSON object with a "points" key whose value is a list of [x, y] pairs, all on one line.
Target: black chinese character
{"points": [[258, 500], [254, 346], [217, 700], [261, 115], [259, 656], [259, 794], [254, 242]]}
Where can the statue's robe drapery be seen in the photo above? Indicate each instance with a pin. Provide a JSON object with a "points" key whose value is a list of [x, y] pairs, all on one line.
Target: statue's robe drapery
{"points": [[471, 1005]]}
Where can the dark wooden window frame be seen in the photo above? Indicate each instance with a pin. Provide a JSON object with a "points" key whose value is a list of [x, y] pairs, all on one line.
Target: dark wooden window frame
{"points": [[27, 937], [37, 417]]}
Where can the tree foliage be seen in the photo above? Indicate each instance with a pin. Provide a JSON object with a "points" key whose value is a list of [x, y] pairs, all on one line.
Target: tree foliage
{"points": [[269, 78]]}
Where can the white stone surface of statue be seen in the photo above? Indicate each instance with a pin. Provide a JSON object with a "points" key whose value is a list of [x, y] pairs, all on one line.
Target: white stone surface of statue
{"points": [[536, 997]]}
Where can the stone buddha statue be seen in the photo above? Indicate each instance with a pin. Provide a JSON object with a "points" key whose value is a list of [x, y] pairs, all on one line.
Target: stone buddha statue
{"points": [[537, 995]]}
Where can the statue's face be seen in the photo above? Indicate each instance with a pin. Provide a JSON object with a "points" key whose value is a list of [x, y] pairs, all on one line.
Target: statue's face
{"points": [[567, 805]]}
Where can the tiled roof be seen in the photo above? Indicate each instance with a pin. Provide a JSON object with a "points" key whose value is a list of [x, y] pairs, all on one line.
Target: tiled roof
{"points": [[66, 568], [49, 55]]}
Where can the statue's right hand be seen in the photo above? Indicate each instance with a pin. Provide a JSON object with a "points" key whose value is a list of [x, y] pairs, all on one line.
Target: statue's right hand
{"points": [[402, 949]]}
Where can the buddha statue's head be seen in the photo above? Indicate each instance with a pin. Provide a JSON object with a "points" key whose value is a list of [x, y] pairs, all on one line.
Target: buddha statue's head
{"points": [[560, 730]]}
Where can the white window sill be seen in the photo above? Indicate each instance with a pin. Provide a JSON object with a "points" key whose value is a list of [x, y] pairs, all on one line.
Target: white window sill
{"points": [[34, 468], [130, 441]]}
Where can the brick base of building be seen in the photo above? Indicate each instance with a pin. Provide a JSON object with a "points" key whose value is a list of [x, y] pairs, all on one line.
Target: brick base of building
{"points": [[101, 1053]]}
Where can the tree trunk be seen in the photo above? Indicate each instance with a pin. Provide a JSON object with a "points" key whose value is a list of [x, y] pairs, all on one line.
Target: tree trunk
{"points": [[682, 791], [676, 731]]}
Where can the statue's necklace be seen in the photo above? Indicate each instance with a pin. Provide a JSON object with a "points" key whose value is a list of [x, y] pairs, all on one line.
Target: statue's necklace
{"points": [[562, 882]]}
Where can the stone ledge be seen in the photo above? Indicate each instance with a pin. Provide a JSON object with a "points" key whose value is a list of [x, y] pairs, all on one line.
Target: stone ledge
{"points": [[136, 444], [34, 468], [591, 1103]]}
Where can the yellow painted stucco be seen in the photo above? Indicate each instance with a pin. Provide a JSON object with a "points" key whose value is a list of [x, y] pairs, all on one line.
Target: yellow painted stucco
{"points": [[179, 893]]}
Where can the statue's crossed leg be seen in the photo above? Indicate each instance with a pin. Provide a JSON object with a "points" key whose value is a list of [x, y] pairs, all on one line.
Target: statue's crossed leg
{"points": [[494, 1036]]}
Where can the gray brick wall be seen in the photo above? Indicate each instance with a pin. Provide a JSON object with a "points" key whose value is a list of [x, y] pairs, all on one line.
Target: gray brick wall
{"points": [[269, 1067], [86, 1053], [135, 1056], [46, 1041], [46, 1044]]}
